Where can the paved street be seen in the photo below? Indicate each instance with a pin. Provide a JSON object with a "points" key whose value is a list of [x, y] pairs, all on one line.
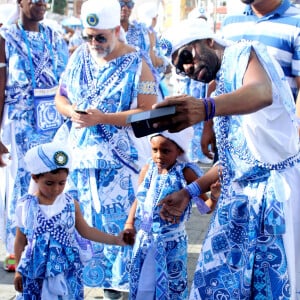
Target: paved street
{"points": [[196, 228]]}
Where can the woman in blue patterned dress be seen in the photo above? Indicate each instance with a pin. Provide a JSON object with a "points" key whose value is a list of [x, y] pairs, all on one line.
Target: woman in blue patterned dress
{"points": [[141, 35], [50, 245], [159, 260], [108, 80], [32, 58], [252, 245]]}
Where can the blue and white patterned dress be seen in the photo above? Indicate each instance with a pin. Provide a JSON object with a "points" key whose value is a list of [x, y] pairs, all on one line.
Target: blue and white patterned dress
{"points": [[50, 263], [19, 132], [253, 239], [104, 156], [137, 35], [159, 260]]}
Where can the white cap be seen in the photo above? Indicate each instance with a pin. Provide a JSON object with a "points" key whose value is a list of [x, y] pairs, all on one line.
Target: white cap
{"points": [[101, 14], [9, 13], [47, 157], [182, 138], [190, 30], [197, 12], [146, 12]]}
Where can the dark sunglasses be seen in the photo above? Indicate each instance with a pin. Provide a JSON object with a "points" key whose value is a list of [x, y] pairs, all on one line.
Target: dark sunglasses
{"points": [[185, 57], [129, 4], [98, 38]]}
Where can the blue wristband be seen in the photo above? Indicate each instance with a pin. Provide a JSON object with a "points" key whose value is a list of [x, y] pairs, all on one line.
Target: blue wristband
{"points": [[201, 205], [193, 189]]}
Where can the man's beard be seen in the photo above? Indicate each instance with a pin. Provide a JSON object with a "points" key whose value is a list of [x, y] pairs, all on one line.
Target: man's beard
{"points": [[99, 55]]}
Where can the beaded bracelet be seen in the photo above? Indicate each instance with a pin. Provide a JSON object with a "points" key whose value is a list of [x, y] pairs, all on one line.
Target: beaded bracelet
{"points": [[213, 198]]}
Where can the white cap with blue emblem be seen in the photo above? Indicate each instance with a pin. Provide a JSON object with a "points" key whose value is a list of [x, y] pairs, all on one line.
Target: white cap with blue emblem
{"points": [[101, 14]]}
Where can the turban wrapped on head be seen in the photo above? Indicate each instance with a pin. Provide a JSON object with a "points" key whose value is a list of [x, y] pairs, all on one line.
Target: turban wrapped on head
{"points": [[182, 139]]}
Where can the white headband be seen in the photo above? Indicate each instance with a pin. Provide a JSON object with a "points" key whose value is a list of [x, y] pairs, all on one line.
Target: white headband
{"points": [[47, 157], [101, 14]]}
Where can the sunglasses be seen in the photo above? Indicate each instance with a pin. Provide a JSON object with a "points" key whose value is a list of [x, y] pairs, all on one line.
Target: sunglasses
{"points": [[37, 1], [98, 38], [129, 4], [185, 57]]}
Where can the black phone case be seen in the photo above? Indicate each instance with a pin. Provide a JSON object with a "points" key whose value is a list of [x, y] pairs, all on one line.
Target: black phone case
{"points": [[142, 123], [83, 112]]}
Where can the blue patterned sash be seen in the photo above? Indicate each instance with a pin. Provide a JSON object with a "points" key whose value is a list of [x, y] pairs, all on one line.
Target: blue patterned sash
{"points": [[96, 96]]}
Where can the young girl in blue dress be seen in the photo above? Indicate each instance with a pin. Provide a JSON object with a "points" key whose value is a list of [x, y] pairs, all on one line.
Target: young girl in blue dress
{"points": [[52, 236], [159, 261]]}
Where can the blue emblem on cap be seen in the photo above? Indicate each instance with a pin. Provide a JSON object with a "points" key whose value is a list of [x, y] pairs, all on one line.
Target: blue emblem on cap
{"points": [[60, 158], [92, 19], [201, 10]]}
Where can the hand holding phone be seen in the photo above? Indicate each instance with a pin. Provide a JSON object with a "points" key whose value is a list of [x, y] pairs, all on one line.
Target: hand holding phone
{"points": [[83, 112], [142, 123]]}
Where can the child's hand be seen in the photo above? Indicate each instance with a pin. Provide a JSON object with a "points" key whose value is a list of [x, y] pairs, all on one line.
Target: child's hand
{"points": [[129, 225], [18, 282], [215, 190], [129, 236]]}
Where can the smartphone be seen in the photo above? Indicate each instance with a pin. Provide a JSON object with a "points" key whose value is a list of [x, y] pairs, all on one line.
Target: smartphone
{"points": [[142, 123], [83, 112]]}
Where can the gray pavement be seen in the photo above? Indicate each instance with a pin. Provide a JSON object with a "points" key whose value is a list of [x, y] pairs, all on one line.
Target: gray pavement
{"points": [[196, 230]]}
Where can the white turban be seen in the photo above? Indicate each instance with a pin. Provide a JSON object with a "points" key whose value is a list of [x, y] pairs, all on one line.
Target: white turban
{"points": [[101, 14], [190, 30], [47, 157], [182, 139]]}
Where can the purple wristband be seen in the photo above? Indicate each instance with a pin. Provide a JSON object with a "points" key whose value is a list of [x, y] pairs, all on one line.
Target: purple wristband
{"points": [[206, 108], [212, 108]]}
